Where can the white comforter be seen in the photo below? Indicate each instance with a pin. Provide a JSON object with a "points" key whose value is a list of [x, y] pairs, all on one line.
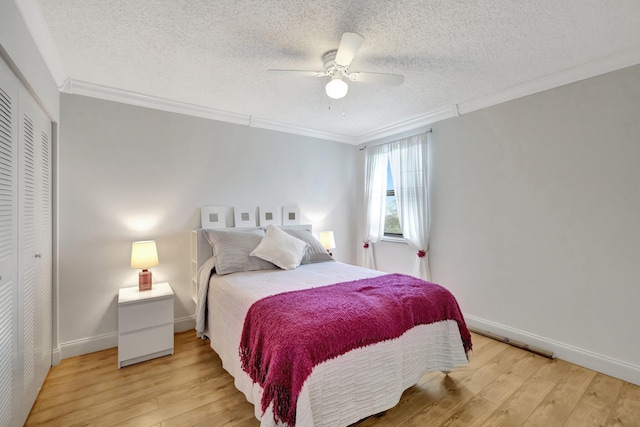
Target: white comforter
{"points": [[339, 391]]}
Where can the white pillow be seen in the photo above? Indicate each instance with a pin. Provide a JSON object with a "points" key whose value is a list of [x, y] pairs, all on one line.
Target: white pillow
{"points": [[280, 248]]}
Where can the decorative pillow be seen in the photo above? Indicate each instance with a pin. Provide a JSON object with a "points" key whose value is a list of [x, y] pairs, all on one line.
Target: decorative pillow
{"points": [[315, 251], [280, 248], [231, 249]]}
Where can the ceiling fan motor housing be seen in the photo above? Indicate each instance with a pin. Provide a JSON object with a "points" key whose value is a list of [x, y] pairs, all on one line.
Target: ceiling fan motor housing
{"points": [[329, 61]]}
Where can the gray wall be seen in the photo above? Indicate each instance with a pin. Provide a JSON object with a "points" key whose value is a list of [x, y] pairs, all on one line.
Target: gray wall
{"points": [[129, 173], [536, 220]]}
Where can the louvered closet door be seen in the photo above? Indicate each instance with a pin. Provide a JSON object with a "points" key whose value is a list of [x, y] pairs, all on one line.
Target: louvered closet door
{"points": [[9, 401], [34, 262], [44, 286]]}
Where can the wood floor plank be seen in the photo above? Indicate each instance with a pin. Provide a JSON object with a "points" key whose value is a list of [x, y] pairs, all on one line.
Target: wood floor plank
{"points": [[507, 383], [501, 386], [438, 412], [472, 414], [537, 373], [68, 402], [594, 408], [413, 400], [118, 398], [489, 371], [138, 388], [230, 410], [158, 415], [626, 410], [121, 415], [218, 385], [83, 363], [559, 403], [464, 390]]}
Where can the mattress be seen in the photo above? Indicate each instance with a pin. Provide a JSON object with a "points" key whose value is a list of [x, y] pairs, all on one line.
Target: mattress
{"points": [[343, 390]]}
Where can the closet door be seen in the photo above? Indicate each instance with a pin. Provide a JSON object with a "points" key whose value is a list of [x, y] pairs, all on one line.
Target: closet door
{"points": [[9, 378], [34, 261], [25, 249], [44, 253]]}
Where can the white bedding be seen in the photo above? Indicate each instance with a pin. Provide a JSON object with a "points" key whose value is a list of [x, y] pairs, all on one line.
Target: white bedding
{"points": [[339, 391]]}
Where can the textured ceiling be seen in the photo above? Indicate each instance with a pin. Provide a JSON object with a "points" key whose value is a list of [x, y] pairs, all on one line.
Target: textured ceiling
{"points": [[215, 53]]}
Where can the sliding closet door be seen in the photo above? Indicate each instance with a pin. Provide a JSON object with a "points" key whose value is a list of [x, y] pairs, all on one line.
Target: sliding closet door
{"points": [[9, 401], [34, 261]]}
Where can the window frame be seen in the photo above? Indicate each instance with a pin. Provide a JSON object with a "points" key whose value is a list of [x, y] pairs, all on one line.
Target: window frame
{"points": [[391, 236]]}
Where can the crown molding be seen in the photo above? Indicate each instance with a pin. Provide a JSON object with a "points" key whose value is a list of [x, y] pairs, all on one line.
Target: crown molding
{"points": [[34, 20], [287, 128], [571, 75], [93, 90], [408, 125]]}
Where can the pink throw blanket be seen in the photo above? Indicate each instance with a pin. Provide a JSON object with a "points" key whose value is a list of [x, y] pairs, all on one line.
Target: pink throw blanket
{"points": [[286, 335]]}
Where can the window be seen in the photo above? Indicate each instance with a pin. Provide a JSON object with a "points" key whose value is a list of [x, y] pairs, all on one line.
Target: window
{"points": [[391, 221]]}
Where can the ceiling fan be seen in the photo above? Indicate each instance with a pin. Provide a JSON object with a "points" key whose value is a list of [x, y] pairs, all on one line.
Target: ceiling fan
{"points": [[336, 66]]}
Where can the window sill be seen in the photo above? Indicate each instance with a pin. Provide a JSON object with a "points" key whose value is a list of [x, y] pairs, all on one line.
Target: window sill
{"points": [[393, 239]]}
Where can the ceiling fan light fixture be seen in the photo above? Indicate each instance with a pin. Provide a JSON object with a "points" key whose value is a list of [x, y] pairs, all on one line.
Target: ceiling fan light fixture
{"points": [[336, 88]]}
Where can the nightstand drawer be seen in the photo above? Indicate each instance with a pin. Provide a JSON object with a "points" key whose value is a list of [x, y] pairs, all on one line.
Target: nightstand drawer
{"points": [[141, 343], [132, 317]]}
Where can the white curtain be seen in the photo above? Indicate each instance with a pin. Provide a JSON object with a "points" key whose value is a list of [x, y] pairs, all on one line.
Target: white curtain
{"points": [[408, 161], [375, 193]]}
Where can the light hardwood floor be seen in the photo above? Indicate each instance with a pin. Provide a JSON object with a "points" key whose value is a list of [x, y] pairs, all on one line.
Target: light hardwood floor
{"points": [[502, 386]]}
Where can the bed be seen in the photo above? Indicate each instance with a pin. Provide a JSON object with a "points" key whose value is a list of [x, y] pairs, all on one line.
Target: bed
{"points": [[340, 390]]}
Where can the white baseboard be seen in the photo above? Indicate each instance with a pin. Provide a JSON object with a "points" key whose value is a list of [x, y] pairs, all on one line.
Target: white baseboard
{"points": [[184, 324], [55, 356], [88, 345], [103, 342], [598, 362]]}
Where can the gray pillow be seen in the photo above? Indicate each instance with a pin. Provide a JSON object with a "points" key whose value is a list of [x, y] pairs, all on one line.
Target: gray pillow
{"points": [[231, 249], [315, 252]]}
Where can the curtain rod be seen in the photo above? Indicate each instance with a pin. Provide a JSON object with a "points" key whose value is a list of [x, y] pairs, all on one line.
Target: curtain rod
{"points": [[364, 147]]}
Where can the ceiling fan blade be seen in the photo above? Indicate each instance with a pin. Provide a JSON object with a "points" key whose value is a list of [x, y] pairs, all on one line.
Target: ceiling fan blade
{"points": [[379, 78], [349, 46], [297, 73]]}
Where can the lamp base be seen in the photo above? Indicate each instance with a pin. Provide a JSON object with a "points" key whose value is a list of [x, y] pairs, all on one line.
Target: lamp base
{"points": [[144, 280]]}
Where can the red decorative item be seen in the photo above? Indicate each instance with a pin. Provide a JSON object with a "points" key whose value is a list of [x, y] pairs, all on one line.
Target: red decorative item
{"points": [[144, 280], [421, 253], [366, 245]]}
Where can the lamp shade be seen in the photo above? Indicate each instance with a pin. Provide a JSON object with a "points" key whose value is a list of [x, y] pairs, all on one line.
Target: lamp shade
{"points": [[327, 240], [336, 88], [144, 254]]}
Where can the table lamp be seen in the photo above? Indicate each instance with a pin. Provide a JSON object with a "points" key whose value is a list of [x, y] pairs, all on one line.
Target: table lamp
{"points": [[327, 240], [144, 255]]}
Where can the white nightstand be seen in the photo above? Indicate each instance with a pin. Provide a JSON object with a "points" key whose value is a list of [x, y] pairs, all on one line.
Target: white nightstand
{"points": [[145, 324]]}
